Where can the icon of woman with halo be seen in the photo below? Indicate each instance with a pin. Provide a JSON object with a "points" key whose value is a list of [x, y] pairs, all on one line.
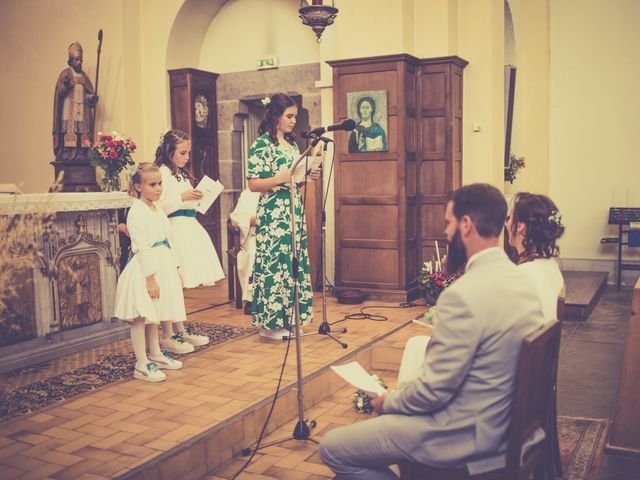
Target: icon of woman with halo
{"points": [[368, 135]]}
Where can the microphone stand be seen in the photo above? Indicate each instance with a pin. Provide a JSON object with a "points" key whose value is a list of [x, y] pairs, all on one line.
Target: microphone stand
{"points": [[325, 327], [301, 431]]}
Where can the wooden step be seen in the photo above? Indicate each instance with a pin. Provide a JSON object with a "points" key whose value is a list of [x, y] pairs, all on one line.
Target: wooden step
{"points": [[583, 290]]}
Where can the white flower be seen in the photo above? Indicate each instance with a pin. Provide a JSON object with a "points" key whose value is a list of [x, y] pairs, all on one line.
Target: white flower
{"points": [[266, 100]]}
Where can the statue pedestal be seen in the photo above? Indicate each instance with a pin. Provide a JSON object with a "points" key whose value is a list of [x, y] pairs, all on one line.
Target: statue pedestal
{"points": [[65, 297], [78, 173]]}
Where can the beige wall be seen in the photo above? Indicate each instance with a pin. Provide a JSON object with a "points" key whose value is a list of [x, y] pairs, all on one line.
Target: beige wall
{"points": [[530, 134], [481, 42], [595, 76], [273, 29], [35, 35], [575, 94]]}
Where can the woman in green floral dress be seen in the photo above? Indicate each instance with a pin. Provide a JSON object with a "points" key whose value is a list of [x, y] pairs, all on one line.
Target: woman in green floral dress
{"points": [[270, 160]]}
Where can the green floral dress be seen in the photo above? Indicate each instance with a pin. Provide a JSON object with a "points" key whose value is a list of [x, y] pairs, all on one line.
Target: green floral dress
{"points": [[273, 271]]}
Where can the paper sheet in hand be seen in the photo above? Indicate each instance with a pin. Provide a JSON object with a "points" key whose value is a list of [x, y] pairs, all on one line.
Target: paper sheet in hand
{"points": [[210, 189], [299, 171], [358, 377]]}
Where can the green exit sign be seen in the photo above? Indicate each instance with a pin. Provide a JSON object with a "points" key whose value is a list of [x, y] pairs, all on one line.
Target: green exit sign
{"points": [[267, 62]]}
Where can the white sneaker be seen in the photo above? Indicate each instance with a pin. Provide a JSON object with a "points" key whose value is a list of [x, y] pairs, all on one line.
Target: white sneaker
{"points": [[149, 373], [176, 344], [165, 362], [193, 338]]}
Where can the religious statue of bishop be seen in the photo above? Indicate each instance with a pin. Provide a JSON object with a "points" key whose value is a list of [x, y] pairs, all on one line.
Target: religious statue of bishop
{"points": [[73, 108]]}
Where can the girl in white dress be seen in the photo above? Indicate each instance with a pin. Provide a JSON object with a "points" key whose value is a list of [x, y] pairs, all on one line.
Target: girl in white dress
{"points": [[149, 289], [199, 261], [533, 227]]}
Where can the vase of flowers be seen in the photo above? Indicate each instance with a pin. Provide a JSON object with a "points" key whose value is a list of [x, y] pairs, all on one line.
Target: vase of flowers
{"points": [[112, 153], [433, 280]]}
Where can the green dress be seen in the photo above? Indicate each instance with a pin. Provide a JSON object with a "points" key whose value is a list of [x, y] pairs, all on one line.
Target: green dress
{"points": [[273, 271]]}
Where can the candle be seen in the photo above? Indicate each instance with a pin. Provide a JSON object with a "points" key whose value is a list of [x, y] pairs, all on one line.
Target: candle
{"points": [[437, 251]]}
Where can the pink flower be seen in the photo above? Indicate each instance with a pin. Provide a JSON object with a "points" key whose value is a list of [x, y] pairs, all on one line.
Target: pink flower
{"points": [[132, 145], [105, 138], [113, 153], [86, 143], [103, 154]]}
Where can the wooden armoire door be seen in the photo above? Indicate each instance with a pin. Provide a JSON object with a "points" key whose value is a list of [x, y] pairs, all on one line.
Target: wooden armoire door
{"points": [[389, 205], [193, 110]]}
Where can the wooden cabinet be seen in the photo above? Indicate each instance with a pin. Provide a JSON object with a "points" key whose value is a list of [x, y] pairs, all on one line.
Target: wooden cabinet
{"points": [[194, 110], [390, 204]]}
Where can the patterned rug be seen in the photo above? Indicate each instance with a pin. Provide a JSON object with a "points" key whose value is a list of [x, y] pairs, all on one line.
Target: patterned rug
{"points": [[581, 445], [106, 369]]}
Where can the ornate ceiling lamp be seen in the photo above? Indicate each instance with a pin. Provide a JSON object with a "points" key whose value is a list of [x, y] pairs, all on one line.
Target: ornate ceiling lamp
{"points": [[317, 15]]}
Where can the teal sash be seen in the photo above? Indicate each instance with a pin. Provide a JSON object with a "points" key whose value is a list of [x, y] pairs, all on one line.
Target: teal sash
{"points": [[183, 213], [159, 243]]}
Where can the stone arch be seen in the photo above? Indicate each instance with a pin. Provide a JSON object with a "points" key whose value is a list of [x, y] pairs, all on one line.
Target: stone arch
{"points": [[189, 30], [235, 91]]}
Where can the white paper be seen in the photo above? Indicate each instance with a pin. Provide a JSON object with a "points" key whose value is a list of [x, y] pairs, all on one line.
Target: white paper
{"points": [[313, 163], [359, 378], [211, 189]]}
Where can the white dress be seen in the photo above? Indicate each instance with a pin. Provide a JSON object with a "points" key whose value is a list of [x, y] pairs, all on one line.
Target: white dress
{"points": [[246, 208], [548, 282], [197, 255], [147, 227]]}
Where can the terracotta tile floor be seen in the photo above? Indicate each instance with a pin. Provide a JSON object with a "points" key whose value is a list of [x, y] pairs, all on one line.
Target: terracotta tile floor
{"points": [[106, 433], [299, 460], [295, 459]]}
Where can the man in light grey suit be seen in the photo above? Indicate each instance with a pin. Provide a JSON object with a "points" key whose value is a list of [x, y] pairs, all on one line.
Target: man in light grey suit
{"points": [[456, 411]]}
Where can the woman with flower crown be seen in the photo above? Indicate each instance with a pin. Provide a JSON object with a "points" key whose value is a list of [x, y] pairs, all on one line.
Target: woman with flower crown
{"points": [[533, 227], [270, 159]]}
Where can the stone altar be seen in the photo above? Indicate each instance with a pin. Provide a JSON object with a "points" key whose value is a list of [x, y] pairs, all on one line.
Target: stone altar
{"points": [[64, 299]]}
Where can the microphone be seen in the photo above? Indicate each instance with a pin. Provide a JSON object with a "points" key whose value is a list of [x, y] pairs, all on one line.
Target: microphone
{"points": [[315, 137], [347, 125]]}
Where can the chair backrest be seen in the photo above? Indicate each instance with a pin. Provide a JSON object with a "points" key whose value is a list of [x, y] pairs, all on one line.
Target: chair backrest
{"points": [[533, 397]]}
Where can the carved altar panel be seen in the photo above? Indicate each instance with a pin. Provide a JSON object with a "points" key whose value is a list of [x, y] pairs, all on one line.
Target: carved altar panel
{"points": [[17, 311], [69, 285], [79, 290]]}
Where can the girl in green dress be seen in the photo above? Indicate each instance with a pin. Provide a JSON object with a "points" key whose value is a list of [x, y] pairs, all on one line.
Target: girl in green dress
{"points": [[270, 159]]}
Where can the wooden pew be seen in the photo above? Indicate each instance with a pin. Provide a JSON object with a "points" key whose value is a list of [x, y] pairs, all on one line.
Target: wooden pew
{"points": [[624, 434]]}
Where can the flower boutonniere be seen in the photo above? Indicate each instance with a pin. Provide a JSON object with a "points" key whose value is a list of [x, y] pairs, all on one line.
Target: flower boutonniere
{"points": [[362, 400]]}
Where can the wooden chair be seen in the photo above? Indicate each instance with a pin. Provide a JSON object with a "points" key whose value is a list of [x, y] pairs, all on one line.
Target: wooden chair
{"points": [[553, 427], [533, 407], [233, 244]]}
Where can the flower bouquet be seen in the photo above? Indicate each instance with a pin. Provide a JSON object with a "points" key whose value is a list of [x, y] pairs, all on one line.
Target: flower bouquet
{"points": [[433, 280], [362, 400], [511, 171], [112, 153]]}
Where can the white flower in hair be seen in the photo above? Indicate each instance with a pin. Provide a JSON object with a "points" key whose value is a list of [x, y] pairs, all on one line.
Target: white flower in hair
{"points": [[555, 217], [162, 135], [266, 100]]}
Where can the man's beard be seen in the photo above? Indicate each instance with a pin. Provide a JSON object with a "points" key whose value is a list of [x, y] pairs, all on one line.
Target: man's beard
{"points": [[457, 254]]}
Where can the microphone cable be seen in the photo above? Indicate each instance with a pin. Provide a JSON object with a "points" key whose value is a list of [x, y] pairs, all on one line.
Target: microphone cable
{"points": [[266, 422], [286, 354], [375, 317]]}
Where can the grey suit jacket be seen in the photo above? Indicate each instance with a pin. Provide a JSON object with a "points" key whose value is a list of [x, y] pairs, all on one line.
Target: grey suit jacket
{"points": [[460, 403]]}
